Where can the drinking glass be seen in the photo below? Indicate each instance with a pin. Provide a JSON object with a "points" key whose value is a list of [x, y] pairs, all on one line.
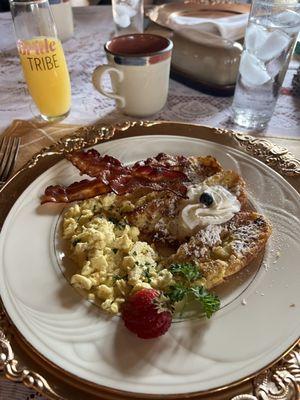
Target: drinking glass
{"points": [[270, 37], [128, 16], [42, 58]]}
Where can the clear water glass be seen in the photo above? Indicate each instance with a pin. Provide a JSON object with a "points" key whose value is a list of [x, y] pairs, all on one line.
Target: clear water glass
{"points": [[128, 16], [270, 38]]}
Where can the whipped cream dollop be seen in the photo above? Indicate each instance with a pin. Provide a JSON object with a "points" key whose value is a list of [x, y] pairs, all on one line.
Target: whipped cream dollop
{"points": [[198, 214]]}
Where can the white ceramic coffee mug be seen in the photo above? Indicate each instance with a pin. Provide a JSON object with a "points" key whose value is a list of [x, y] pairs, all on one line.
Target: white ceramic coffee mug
{"points": [[139, 68]]}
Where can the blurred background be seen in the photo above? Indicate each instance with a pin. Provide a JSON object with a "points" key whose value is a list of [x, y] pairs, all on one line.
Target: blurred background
{"points": [[4, 4]]}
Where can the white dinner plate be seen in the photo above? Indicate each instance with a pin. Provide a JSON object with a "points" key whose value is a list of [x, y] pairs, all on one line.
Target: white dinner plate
{"points": [[258, 322]]}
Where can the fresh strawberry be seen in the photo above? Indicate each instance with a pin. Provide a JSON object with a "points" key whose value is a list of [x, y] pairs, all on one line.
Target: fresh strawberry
{"points": [[145, 314]]}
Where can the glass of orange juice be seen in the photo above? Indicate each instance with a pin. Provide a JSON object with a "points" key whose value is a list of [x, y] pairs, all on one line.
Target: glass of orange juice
{"points": [[42, 58]]}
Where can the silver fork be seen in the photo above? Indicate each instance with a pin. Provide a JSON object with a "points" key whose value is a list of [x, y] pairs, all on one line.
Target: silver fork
{"points": [[9, 148]]}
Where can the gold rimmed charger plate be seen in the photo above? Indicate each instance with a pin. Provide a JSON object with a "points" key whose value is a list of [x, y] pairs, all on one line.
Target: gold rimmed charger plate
{"points": [[56, 383]]}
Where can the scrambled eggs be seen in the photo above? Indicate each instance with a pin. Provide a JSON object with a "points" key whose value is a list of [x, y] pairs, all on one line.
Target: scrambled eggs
{"points": [[112, 262]]}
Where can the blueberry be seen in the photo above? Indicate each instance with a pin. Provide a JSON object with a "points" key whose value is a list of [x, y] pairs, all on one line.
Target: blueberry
{"points": [[206, 199]]}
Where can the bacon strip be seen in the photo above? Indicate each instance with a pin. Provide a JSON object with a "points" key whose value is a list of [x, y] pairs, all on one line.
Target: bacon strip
{"points": [[109, 168], [125, 185], [91, 163], [111, 176], [82, 190]]}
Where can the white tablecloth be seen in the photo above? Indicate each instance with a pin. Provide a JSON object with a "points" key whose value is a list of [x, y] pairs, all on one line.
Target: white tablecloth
{"points": [[93, 27]]}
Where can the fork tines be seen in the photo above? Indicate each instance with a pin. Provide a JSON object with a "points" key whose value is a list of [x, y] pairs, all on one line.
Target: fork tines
{"points": [[9, 148]]}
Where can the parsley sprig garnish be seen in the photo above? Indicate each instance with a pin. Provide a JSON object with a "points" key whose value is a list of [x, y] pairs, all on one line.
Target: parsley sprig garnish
{"points": [[177, 292], [185, 287], [188, 271], [209, 301]]}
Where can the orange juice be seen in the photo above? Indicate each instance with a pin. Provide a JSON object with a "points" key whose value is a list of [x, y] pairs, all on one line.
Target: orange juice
{"points": [[46, 74]]}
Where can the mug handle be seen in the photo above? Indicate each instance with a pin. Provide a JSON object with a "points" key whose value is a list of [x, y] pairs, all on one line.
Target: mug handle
{"points": [[97, 82]]}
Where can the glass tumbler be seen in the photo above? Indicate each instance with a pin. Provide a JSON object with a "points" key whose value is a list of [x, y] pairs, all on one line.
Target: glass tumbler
{"points": [[42, 58], [270, 37], [128, 16]]}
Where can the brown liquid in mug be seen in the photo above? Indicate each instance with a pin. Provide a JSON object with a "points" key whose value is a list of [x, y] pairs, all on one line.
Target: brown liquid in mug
{"points": [[137, 44]]}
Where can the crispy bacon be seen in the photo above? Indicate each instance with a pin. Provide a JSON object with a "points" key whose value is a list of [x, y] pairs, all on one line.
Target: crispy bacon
{"points": [[91, 163], [125, 185], [82, 190], [111, 176]]}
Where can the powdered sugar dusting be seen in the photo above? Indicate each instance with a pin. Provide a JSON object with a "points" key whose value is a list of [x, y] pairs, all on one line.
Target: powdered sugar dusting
{"points": [[245, 237], [161, 229], [210, 236]]}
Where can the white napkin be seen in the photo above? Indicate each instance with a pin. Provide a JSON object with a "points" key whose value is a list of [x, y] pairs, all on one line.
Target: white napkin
{"points": [[230, 28]]}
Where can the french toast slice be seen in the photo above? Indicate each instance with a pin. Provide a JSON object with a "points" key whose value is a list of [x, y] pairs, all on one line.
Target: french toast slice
{"points": [[223, 250], [196, 168], [157, 214]]}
